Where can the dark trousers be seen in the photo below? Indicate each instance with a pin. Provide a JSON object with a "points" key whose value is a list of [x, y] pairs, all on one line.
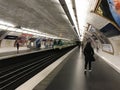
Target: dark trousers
{"points": [[87, 63]]}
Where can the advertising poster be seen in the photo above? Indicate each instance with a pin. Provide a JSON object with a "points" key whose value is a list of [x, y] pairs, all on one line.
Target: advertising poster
{"points": [[109, 30], [23, 39], [105, 43], [107, 48], [114, 6], [110, 9], [38, 42]]}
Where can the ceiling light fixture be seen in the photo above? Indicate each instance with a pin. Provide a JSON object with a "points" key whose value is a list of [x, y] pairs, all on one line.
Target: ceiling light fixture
{"points": [[6, 23], [69, 5], [29, 31], [82, 10]]}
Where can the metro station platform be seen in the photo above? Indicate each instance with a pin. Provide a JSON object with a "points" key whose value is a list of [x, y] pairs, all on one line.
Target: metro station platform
{"points": [[69, 74], [72, 76], [7, 50], [112, 60], [12, 51]]}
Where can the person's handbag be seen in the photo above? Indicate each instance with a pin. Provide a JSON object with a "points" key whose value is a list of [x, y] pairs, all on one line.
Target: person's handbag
{"points": [[93, 59]]}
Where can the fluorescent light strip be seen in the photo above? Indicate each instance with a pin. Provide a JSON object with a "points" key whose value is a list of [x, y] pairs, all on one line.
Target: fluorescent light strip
{"points": [[3, 27], [82, 10], [69, 5], [29, 31], [11, 29], [6, 23]]}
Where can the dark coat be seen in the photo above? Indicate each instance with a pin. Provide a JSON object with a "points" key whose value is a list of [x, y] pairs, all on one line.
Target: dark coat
{"points": [[17, 44], [89, 52]]}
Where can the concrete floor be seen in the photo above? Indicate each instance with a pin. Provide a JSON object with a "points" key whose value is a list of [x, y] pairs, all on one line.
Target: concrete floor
{"points": [[72, 76]]}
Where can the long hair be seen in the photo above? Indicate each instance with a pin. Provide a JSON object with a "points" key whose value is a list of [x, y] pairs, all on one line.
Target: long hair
{"points": [[88, 45]]}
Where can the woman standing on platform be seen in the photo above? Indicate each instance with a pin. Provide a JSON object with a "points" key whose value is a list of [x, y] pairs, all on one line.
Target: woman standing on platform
{"points": [[88, 53], [17, 45]]}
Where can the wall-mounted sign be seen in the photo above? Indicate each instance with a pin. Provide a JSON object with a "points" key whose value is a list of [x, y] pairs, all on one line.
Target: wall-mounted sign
{"points": [[11, 37]]}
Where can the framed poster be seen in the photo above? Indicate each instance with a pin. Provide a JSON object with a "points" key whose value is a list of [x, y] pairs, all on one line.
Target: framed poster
{"points": [[106, 45], [109, 9], [104, 42], [107, 48]]}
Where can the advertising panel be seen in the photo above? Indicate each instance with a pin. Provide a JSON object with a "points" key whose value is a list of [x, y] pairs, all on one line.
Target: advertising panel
{"points": [[23, 39], [105, 43], [110, 9], [107, 48], [109, 30]]}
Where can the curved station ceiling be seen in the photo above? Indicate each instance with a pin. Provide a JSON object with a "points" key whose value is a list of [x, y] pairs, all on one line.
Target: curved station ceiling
{"points": [[67, 19], [46, 16]]}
